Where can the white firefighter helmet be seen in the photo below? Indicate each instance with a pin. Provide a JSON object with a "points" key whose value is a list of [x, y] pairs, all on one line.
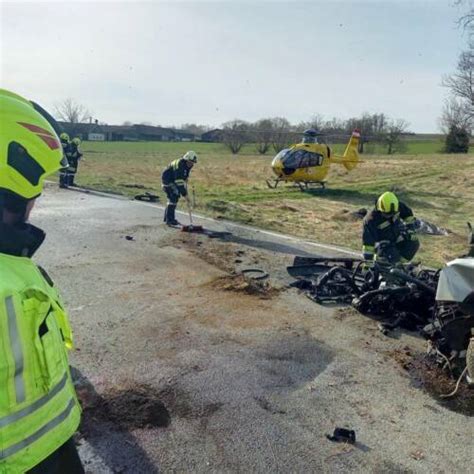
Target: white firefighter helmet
{"points": [[191, 156]]}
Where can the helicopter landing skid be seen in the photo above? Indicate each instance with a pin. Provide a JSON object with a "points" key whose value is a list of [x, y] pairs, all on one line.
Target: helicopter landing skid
{"points": [[273, 183], [304, 186]]}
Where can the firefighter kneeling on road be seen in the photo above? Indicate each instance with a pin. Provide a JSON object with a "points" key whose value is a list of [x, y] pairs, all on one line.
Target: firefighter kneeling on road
{"points": [[39, 410], [174, 182], [389, 231]]}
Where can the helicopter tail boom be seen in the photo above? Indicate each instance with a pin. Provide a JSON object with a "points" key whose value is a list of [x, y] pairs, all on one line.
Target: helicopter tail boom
{"points": [[351, 153]]}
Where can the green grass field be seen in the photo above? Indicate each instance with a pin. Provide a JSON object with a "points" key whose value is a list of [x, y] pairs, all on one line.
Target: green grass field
{"points": [[437, 186], [434, 145]]}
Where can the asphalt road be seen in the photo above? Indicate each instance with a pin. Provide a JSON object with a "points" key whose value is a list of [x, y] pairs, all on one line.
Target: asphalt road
{"points": [[250, 382]]}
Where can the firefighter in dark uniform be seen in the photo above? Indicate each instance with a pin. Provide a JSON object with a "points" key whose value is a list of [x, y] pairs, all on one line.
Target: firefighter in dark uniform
{"points": [[174, 182], [74, 156], [67, 151], [389, 232]]}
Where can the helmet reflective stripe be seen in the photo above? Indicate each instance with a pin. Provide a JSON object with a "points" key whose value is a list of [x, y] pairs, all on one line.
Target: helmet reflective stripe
{"points": [[387, 203], [45, 135]]}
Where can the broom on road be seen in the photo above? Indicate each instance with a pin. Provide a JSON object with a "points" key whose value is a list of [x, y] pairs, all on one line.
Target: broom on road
{"points": [[191, 227]]}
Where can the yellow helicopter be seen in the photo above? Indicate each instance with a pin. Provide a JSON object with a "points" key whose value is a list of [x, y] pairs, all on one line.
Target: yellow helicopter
{"points": [[307, 163]]}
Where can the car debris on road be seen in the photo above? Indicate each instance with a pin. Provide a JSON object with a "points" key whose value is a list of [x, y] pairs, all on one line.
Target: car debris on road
{"points": [[439, 304]]}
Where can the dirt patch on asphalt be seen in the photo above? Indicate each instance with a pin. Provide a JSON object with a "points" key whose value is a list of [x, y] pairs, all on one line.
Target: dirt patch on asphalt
{"points": [[139, 407], [221, 256], [426, 374], [238, 283], [226, 256]]}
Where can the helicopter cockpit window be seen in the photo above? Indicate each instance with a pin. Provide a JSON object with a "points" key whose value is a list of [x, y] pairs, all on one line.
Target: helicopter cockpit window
{"points": [[281, 155], [290, 158]]}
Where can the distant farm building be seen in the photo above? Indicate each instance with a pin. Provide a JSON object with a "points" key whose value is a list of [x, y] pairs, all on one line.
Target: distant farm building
{"points": [[212, 135], [131, 133]]}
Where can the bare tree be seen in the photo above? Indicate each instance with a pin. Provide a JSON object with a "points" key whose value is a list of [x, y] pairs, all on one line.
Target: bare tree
{"points": [[281, 133], [456, 113], [262, 135], [70, 111], [316, 122], [371, 128], [466, 21], [461, 82], [235, 135], [392, 136]]}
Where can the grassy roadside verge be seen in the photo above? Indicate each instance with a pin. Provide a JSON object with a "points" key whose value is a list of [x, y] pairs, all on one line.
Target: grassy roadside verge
{"points": [[437, 186]]}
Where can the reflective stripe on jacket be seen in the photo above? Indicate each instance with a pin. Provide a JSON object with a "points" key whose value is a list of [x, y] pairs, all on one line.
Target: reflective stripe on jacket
{"points": [[177, 172], [39, 410]]}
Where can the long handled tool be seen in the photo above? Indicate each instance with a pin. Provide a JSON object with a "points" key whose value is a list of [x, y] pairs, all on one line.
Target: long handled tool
{"points": [[191, 227]]}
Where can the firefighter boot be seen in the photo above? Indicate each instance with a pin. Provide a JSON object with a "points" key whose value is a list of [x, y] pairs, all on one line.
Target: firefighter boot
{"points": [[62, 179], [70, 179], [170, 215]]}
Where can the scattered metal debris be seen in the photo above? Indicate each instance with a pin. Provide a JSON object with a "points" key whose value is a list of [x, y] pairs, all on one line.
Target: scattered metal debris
{"points": [[255, 273], [147, 197], [342, 435], [437, 303], [403, 296], [425, 227]]}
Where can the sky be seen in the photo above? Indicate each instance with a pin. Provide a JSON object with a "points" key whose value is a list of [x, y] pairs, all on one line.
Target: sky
{"points": [[207, 62]]}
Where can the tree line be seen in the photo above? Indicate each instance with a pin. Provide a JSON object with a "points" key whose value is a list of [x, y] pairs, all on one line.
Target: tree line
{"points": [[277, 133]]}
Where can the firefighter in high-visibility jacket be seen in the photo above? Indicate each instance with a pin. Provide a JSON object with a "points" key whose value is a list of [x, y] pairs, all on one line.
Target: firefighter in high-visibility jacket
{"points": [[388, 233], [39, 410], [174, 183]]}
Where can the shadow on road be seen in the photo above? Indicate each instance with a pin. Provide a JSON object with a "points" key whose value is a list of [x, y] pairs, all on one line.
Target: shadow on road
{"points": [[259, 244]]}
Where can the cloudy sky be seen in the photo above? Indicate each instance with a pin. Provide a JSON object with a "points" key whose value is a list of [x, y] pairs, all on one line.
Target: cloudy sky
{"points": [[210, 61]]}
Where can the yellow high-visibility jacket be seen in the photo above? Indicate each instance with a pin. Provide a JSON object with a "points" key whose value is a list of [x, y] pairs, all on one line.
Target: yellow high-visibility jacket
{"points": [[39, 410]]}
